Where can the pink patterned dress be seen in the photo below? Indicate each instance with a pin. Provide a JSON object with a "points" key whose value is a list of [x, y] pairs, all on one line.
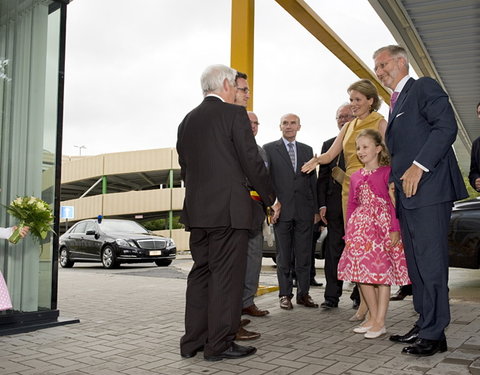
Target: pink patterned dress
{"points": [[368, 256]]}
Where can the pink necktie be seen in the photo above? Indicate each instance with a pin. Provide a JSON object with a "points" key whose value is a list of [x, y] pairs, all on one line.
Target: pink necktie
{"points": [[393, 100]]}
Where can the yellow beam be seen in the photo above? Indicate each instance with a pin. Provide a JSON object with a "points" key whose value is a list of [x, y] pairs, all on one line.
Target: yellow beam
{"points": [[306, 16], [241, 50]]}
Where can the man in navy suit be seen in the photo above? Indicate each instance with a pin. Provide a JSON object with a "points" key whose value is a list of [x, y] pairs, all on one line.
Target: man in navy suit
{"points": [[297, 192], [217, 153], [420, 133]]}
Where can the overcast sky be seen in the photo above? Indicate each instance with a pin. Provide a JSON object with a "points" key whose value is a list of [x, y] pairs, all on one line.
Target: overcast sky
{"points": [[133, 72]]}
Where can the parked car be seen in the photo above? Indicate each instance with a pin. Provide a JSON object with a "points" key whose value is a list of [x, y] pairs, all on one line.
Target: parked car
{"points": [[113, 242], [464, 235], [270, 251]]}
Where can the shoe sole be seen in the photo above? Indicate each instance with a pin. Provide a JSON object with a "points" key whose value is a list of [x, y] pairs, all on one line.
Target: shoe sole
{"points": [[215, 358]]}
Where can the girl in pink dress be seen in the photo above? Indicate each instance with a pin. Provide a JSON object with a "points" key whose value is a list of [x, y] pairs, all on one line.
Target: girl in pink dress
{"points": [[373, 254]]}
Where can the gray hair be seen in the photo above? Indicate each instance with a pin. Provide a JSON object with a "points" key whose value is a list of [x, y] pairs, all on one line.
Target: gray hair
{"points": [[346, 104], [213, 76], [394, 51]]}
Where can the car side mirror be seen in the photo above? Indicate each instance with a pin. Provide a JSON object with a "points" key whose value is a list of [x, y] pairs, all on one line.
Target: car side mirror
{"points": [[90, 232]]}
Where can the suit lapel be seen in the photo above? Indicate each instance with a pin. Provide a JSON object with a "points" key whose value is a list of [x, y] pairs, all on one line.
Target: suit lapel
{"points": [[401, 98], [282, 150]]}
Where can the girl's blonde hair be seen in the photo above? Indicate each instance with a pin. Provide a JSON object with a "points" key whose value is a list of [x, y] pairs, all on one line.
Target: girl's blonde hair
{"points": [[376, 137]]}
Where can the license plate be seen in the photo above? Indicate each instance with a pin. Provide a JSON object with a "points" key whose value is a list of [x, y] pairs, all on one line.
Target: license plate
{"points": [[156, 252]]}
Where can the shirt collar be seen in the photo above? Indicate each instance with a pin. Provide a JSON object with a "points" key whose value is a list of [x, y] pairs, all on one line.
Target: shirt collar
{"points": [[216, 96], [402, 84], [287, 142]]}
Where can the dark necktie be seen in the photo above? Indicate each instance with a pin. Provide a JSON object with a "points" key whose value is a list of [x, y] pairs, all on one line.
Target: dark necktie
{"points": [[393, 100], [291, 153]]}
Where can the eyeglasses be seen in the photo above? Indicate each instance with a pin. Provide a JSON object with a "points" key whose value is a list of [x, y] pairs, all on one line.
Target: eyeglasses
{"points": [[255, 123], [246, 90], [382, 65]]}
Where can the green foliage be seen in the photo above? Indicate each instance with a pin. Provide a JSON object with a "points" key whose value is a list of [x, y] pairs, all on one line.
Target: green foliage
{"points": [[162, 224]]}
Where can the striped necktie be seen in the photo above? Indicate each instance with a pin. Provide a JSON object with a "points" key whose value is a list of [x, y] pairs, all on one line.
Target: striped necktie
{"points": [[393, 100], [291, 153]]}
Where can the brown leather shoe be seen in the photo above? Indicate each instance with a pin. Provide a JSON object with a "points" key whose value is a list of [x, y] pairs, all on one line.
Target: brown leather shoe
{"points": [[243, 334], [253, 310], [244, 322], [286, 303], [306, 301]]}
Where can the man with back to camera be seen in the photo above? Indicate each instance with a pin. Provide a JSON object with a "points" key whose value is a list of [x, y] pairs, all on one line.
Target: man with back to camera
{"points": [[330, 202], [217, 153], [297, 192], [420, 133]]}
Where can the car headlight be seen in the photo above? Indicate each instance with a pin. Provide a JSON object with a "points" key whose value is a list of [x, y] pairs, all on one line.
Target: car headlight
{"points": [[122, 242], [170, 243]]}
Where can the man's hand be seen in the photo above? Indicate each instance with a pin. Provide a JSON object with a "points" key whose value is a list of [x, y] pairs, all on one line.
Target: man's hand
{"points": [[410, 180], [323, 215], [395, 238], [316, 218], [477, 184], [310, 165], [277, 207]]}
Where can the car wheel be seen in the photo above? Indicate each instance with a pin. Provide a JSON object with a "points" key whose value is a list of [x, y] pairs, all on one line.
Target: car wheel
{"points": [[108, 258], [163, 262], [65, 261]]}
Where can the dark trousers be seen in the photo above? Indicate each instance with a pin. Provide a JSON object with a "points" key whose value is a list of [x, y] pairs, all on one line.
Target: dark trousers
{"points": [[214, 289], [424, 235], [294, 241], [333, 251]]}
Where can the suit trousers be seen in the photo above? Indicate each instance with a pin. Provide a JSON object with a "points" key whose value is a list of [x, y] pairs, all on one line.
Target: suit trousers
{"points": [[424, 235], [214, 289], [254, 266], [333, 251], [294, 242]]}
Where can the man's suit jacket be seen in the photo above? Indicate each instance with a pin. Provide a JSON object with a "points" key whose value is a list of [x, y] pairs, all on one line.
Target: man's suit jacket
{"points": [[422, 127], [329, 191], [217, 153], [296, 191]]}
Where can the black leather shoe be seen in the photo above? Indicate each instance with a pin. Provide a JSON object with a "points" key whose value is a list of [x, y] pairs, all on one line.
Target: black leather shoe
{"points": [[314, 282], [234, 351], [409, 338], [191, 354], [425, 347], [328, 305], [404, 291]]}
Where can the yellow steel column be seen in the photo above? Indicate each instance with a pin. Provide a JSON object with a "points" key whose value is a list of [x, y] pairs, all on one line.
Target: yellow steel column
{"points": [[241, 49], [299, 10]]}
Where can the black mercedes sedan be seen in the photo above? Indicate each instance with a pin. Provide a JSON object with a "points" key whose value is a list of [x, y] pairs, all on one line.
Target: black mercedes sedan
{"points": [[464, 234], [113, 242]]}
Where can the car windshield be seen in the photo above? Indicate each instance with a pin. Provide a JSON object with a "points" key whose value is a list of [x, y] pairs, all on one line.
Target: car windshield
{"points": [[122, 226]]}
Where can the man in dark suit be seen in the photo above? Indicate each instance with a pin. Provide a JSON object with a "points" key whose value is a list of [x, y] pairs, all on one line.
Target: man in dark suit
{"points": [[217, 153], [420, 133], [474, 174], [297, 192], [330, 202]]}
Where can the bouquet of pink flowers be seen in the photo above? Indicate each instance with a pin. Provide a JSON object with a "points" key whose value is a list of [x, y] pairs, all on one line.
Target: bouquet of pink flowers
{"points": [[34, 213]]}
